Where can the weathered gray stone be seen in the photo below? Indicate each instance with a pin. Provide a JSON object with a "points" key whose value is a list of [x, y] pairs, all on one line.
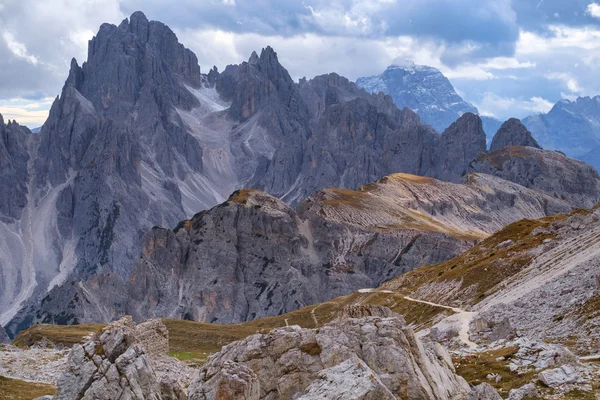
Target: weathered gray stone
{"points": [[557, 377], [529, 390], [232, 381], [483, 391]]}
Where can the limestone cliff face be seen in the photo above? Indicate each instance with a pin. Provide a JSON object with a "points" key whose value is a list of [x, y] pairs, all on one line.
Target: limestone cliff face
{"points": [[139, 137], [544, 170], [254, 256]]}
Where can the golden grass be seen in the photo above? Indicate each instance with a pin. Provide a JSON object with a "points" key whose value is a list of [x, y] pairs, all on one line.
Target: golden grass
{"points": [[412, 178], [15, 389], [67, 335], [481, 268], [241, 196]]}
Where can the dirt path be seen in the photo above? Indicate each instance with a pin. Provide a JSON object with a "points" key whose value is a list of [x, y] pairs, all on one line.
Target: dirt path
{"points": [[460, 317]]}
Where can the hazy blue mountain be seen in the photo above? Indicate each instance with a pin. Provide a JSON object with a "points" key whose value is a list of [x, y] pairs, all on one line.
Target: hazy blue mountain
{"points": [[572, 127], [426, 91]]}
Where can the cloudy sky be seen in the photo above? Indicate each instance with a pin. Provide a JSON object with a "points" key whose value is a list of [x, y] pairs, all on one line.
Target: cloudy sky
{"points": [[507, 57]]}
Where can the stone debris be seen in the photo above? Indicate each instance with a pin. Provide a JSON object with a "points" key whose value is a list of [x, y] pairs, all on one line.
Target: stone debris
{"points": [[37, 364]]}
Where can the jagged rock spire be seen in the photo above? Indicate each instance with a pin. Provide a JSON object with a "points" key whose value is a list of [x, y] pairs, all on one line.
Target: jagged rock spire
{"points": [[513, 133]]}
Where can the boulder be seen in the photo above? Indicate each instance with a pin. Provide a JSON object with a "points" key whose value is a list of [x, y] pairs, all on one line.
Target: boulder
{"points": [[483, 391], [529, 390], [557, 377]]}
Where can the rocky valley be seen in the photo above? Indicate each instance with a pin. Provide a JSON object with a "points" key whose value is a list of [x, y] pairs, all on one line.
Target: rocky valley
{"points": [[174, 234]]}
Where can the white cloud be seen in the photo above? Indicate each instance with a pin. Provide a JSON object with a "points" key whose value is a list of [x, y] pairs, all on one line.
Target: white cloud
{"points": [[494, 105], [18, 48], [24, 115], [567, 79], [593, 10]]}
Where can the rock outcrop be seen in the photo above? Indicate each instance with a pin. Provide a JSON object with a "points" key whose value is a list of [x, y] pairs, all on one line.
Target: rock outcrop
{"points": [[367, 358], [116, 364], [544, 170], [513, 133], [483, 391]]}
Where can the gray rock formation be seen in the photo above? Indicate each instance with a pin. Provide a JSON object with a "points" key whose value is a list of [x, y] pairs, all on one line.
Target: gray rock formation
{"points": [[483, 391], [366, 358], [139, 137], [558, 377], [273, 260], [115, 364], [526, 391], [13, 169], [544, 170], [231, 381], [513, 133]]}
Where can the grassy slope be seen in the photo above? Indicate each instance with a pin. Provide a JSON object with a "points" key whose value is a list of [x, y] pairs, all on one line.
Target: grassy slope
{"points": [[15, 389]]}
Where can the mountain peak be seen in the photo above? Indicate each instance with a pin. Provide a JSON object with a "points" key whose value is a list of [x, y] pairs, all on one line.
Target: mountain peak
{"points": [[402, 63], [513, 133], [423, 89], [253, 58]]}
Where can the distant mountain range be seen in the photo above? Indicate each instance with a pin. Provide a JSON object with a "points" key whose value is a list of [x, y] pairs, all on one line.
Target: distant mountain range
{"points": [[572, 127], [426, 91]]}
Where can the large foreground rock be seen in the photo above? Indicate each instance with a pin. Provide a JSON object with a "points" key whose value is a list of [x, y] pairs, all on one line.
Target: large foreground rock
{"points": [[366, 358], [115, 364]]}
